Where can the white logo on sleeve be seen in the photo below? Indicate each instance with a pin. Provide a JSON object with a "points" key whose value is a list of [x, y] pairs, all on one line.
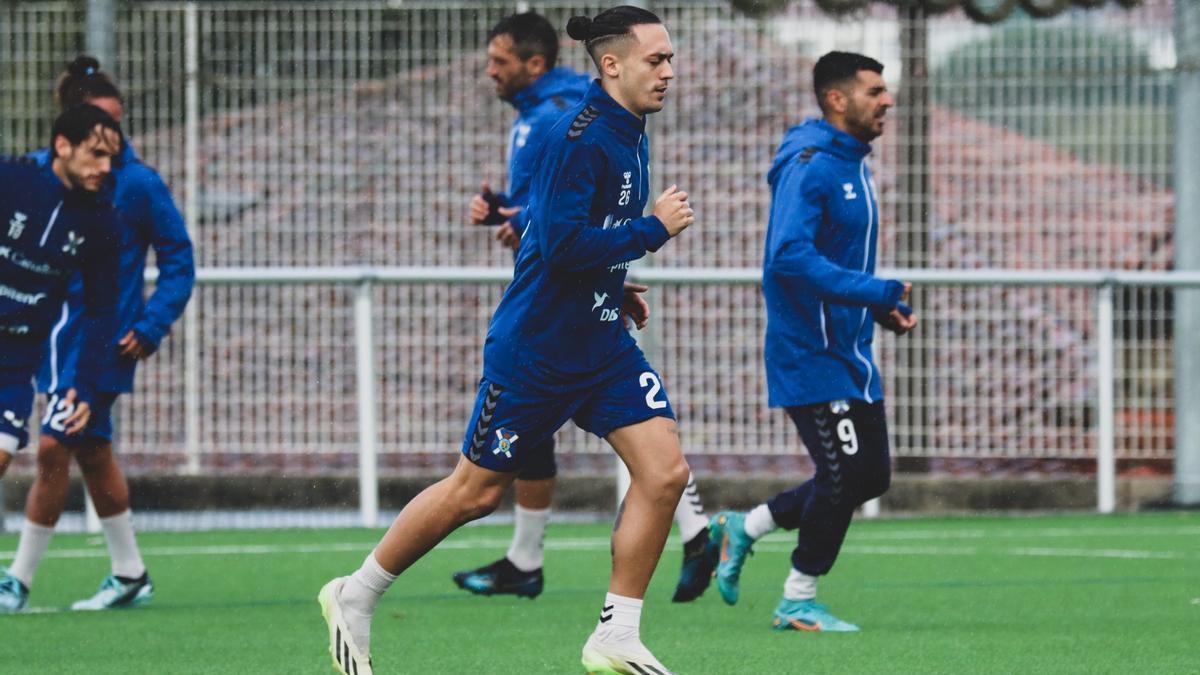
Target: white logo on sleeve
{"points": [[17, 225], [850, 193], [600, 298], [11, 418]]}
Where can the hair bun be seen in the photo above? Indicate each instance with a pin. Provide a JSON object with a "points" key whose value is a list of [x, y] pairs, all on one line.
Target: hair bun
{"points": [[83, 66], [579, 28]]}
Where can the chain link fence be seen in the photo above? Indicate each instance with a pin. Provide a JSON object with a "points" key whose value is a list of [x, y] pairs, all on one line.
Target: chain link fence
{"points": [[354, 133]]}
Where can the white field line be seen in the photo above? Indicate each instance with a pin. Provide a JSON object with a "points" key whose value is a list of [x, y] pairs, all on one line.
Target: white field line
{"points": [[597, 543]]}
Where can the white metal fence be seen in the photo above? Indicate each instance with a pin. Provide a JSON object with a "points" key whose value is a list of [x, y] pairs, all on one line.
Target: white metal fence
{"points": [[352, 134]]}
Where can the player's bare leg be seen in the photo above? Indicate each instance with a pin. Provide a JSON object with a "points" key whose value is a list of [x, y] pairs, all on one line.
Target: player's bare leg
{"points": [[519, 572], [129, 583], [5, 460], [658, 475], [43, 506], [348, 603]]}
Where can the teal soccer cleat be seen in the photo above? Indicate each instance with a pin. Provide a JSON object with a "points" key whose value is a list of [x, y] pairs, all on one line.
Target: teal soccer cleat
{"points": [[729, 528], [116, 593], [809, 616], [13, 594], [501, 578]]}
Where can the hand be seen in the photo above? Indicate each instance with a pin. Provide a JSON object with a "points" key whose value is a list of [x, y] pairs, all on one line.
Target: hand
{"points": [[506, 234], [673, 210], [132, 348], [633, 307], [479, 208], [78, 420], [907, 291]]}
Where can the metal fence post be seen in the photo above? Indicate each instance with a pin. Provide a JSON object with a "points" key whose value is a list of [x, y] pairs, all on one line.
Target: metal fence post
{"points": [[364, 353], [191, 210], [1105, 454]]}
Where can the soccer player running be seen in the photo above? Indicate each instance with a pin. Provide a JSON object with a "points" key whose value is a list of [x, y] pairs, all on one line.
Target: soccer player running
{"points": [[821, 296], [148, 219], [57, 222], [556, 351], [522, 52]]}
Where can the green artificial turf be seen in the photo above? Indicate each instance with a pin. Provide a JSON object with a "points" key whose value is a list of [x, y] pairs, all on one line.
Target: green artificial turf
{"points": [[1053, 594]]}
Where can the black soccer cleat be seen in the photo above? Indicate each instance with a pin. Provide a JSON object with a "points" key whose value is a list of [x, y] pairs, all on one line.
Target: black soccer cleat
{"points": [[699, 561], [501, 578]]}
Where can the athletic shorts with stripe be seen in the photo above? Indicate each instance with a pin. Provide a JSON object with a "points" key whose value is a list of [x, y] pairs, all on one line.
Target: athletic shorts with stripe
{"points": [[509, 427], [100, 423], [16, 405]]}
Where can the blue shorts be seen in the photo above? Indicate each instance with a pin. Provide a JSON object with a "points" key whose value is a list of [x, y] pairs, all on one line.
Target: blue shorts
{"points": [[539, 462], [16, 405], [100, 425], [509, 428]]}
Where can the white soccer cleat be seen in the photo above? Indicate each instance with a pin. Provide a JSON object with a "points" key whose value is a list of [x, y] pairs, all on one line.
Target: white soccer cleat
{"points": [[117, 594], [610, 653], [347, 658]]}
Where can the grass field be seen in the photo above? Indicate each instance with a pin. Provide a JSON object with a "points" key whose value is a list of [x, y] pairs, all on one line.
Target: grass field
{"points": [[1062, 594]]}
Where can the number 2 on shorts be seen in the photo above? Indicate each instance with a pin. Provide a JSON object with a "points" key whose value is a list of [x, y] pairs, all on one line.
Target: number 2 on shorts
{"points": [[650, 379]]}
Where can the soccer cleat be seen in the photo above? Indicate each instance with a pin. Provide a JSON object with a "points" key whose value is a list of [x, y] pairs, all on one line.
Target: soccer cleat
{"points": [[347, 658], [501, 578], [809, 616], [699, 560], [116, 594], [729, 528], [608, 653], [13, 594]]}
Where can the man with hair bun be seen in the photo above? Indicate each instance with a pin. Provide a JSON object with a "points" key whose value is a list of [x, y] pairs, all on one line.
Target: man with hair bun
{"points": [[556, 350], [522, 53]]}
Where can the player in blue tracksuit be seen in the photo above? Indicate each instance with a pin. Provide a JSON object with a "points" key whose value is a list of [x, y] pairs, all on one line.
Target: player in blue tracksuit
{"points": [[58, 222], [557, 350], [148, 219], [822, 302], [522, 52]]}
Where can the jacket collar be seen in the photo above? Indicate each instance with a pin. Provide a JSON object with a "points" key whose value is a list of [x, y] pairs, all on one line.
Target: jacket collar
{"points": [[840, 143], [624, 124]]}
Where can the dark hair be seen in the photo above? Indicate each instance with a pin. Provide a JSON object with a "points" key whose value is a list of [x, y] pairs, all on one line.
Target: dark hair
{"points": [[531, 33], [78, 123], [83, 80], [835, 68], [612, 24]]}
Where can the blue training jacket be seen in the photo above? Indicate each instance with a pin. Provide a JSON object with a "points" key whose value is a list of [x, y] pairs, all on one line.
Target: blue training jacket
{"points": [[557, 328], [819, 270], [48, 235], [538, 106], [148, 219]]}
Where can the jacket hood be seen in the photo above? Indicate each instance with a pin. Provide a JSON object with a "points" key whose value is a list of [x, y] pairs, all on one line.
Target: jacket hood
{"points": [[561, 81], [818, 134]]}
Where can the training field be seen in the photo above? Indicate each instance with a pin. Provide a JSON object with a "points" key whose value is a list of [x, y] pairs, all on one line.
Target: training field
{"points": [[1061, 594]]}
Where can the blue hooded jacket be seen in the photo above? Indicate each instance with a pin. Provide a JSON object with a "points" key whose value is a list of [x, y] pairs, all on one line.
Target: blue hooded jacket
{"points": [[557, 328], [818, 270], [538, 107], [50, 236], [148, 218]]}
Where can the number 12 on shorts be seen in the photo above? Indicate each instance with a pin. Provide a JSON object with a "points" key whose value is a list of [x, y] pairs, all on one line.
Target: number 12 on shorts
{"points": [[57, 412], [649, 379]]}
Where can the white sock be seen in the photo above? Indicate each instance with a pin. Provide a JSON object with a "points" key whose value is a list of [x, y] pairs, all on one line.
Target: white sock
{"points": [[799, 586], [760, 522], [34, 541], [527, 551], [122, 545], [359, 597], [620, 614], [689, 513]]}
